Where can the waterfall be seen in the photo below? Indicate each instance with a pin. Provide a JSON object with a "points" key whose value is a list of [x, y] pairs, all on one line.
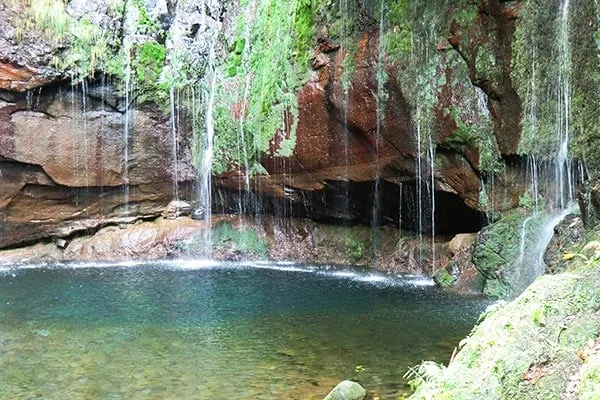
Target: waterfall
{"points": [[534, 185], [562, 162], [432, 193], [522, 242], [345, 105], [174, 136], [86, 166], [376, 209], [419, 185], [536, 233], [249, 10], [204, 207], [126, 126], [400, 185], [532, 162], [425, 62], [538, 229]]}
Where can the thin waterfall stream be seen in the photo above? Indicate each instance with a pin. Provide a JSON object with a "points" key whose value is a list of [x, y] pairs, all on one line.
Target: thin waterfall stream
{"points": [[174, 142]]}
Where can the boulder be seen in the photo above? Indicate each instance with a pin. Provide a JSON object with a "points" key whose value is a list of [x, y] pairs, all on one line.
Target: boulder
{"points": [[461, 242], [177, 208], [142, 241], [347, 390]]}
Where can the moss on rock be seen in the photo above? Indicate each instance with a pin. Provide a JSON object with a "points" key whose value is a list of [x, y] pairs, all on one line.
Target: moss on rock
{"points": [[443, 278], [233, 242], [529, 348], [266, 64], [589, 387], [497, 248]]}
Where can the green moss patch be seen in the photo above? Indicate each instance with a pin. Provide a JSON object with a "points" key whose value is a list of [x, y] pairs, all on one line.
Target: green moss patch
{"points": [[83, 47], [243, 239], [267, 63], [229, 240], [529, 348], [589, 386], [497, 249]]}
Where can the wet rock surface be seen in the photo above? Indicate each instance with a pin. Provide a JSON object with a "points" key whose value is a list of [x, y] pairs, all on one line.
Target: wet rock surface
{"points": [[62, 166], [567, 235], [64, 148], [234, 238]]}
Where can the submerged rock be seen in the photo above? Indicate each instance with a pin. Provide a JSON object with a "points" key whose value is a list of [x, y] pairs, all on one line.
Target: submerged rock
{"points": [[347, 390]]}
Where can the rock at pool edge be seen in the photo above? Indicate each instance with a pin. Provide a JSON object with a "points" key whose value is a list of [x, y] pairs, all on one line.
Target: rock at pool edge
{"points": [[347, 390]]}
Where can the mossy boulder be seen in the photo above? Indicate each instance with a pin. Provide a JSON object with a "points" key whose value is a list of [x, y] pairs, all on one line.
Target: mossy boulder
{"points": [[589, 385], [503, 254], [497, 247], [530, 348]]}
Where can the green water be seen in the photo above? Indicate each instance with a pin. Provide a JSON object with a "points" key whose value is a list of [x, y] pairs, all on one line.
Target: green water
{"points": [[217, 331]]}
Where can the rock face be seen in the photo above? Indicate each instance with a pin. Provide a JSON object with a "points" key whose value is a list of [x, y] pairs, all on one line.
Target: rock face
{"points": [[567, 235], [235, 238], [20, 79], [344, 145], [427, 140], [71, 159], [144, 241], [63, 167], [492, 37]]}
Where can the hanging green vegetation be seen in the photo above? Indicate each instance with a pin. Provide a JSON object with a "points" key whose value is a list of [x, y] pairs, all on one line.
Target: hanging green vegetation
{"points": [[537, 72], [148, 63], [534, 73], [87, 46], [147, 57], [397, 38], [266, 64]]}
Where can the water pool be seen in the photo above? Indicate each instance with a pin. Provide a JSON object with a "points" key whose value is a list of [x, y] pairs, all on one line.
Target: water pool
{"points": [[218, 331]]}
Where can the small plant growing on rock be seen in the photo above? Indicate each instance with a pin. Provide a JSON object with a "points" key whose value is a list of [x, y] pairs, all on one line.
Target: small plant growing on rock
{"points": [[243, 239], [354, 249], [443, 278]]}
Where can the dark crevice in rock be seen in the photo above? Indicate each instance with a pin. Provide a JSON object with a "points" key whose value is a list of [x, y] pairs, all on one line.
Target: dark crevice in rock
{"points": [[8, 96], [12, 170], [343, 202]]}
